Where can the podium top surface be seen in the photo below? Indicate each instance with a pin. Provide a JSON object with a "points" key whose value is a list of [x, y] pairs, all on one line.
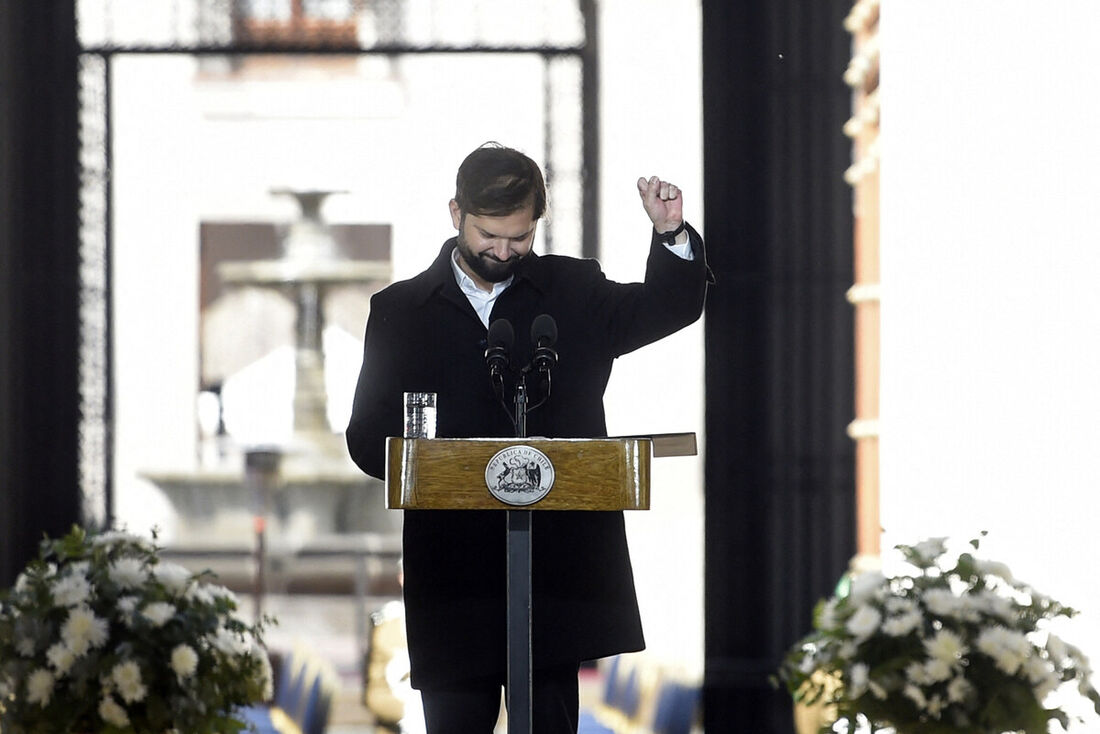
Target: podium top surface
{"points": [[474, 473]]}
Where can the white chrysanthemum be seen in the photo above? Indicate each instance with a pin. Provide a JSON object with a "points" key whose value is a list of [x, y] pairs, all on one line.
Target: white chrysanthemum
{"points": [[25, 647], [858, 678], [1080, 660], [127, 679], [184, 661], [61, 658], [220, 592], [958, 689], [903, 624], [124, 609], [864, 622], [936, 671], [228, 642], [1041, 674], [941, 602], [111, 712], [118, 537], [266, 678], [807, 665], [993, 568], [22, 582], [129, 573], [935, 706], [1046, 686], [71, 591], [159, 612], [900, 605], [83, 630], [828, 617], [847, 650], [930, 549], [916, 695], [996, 605], [174, 576], [971, 608], [40, 687], [916, 674], [200, 593], [1008, 648], [80, 568], [1057, 649], [865, 586], [945, 646]]}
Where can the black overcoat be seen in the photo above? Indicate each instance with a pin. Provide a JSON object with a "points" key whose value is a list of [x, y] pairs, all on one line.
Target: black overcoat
{"points": [[423, 335]]}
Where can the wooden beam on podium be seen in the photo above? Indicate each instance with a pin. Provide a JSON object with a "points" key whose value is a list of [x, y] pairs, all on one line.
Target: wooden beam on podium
{"points": [[671, 444], [449, 473]]}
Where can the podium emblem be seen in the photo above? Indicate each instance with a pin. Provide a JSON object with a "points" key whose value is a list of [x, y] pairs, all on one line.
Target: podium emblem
{"points": [[519, 475]]}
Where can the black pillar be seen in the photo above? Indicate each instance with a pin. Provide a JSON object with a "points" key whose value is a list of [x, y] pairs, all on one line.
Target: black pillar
{"points": [[780, 477], [39, 297]]}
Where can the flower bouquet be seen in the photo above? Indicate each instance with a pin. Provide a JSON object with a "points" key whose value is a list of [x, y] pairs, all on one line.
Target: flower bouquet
{"points": [[957, 645], [100, 636]]}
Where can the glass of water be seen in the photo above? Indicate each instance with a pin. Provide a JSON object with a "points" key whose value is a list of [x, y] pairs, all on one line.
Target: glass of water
{"points": [[420, 415]]}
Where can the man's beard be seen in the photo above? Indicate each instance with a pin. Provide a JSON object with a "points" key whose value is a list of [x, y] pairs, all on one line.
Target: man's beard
{"points": [[485, 265]]}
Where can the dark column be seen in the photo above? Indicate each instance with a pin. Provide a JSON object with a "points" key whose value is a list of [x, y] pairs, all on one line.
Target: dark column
{"points": [[590, 129], [39, 320], [779, 366]]}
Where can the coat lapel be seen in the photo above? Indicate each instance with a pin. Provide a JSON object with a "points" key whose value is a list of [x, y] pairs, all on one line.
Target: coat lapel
{"points": [[439, 279]]}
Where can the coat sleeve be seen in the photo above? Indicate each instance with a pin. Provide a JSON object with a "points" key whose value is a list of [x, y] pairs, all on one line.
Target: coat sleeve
{"points": [[376, 410], [670, 298]]}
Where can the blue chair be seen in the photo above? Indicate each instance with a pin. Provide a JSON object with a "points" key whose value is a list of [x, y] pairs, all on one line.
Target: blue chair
{"points": [[620, 703], [612, 681], [597, 721], [288, 693], [303, 698], [677, 706], [318, 705]]}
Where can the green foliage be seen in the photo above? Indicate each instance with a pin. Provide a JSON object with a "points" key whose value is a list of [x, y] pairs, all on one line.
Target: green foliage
{"points": [[99, 635]]}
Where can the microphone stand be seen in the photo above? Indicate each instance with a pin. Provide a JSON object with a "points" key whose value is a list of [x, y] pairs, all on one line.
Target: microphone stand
{"points": [[520, 673], [519, 597]]}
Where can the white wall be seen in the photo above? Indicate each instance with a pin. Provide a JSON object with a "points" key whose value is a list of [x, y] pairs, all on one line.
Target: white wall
{"points": [[651, 124], [990, 409]]}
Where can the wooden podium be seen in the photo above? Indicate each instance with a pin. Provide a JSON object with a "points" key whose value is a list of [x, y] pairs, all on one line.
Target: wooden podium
{"points": [[449, 473], [510, 474]]}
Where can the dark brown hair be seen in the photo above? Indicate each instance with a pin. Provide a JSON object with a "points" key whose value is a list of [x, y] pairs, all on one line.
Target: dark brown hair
{"points": [[495, 180]]}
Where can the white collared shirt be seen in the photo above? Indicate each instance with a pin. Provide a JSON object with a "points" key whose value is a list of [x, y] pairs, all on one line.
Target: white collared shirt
{"points": [[483, 301]]}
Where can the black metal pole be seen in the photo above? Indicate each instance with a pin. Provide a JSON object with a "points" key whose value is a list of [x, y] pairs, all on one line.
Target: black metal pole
{"points": [[108, 302], [590, 127], [261, 467], [519, 599]]}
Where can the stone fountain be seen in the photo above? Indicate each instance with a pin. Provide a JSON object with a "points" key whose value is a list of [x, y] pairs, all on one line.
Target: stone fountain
{"points": [[318, 494]]}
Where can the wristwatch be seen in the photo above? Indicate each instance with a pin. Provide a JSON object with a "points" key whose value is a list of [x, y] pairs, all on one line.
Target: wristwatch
{"points": [[669, 238]]}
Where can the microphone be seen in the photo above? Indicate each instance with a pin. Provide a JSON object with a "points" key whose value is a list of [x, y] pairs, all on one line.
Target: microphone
{"points": [[544, 334], [501, 337]]}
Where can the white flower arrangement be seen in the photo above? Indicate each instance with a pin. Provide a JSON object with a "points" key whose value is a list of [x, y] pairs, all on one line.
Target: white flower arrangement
{"points": [[958, 645], [99, 635]]}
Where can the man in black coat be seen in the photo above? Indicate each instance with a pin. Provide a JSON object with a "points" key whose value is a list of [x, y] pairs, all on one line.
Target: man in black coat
{"points": [[428, 334]]}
